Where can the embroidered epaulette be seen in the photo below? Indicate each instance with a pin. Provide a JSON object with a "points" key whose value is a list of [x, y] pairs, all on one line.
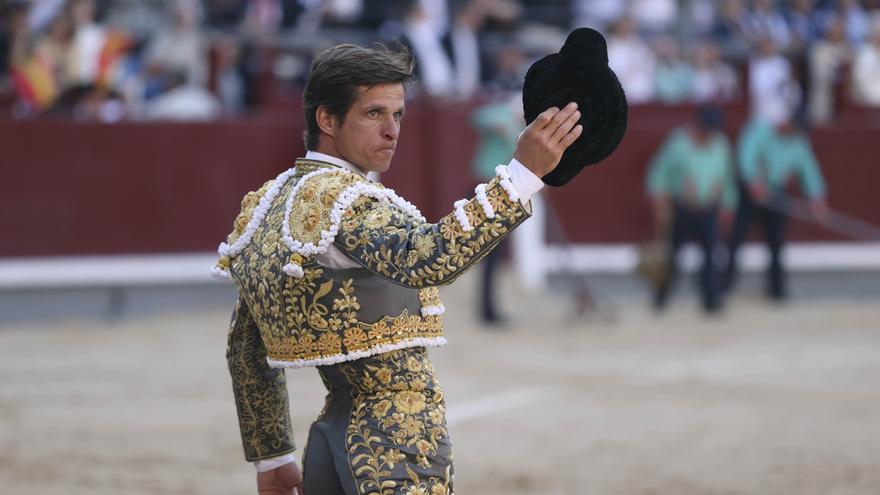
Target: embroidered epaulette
{"points": [[311, 214], [316, 206], [313, 211]]}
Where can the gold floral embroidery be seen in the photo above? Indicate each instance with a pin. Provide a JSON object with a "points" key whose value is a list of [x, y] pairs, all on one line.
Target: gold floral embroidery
{"points": [[248, 204], [429, 296], [423, 254], [260, 392], [363, 336], [397, 439], [297, 315], [310, 213], [377, 219]]}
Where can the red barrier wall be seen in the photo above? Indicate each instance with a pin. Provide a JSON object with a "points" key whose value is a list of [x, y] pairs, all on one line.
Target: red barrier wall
{"points": [[71, 188]]}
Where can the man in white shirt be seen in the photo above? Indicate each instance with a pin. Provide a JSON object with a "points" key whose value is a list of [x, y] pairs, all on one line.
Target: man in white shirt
{"points": [[633, 61], [866, 69]]}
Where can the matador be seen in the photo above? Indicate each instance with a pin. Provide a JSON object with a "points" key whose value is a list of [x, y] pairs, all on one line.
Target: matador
{"points": [[336, 271]]}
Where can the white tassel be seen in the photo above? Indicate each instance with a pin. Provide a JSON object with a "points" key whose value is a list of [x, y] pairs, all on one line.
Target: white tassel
{"points": [[461, 216], [483, 199], [294, 270], [219, 273], [506, 183]]}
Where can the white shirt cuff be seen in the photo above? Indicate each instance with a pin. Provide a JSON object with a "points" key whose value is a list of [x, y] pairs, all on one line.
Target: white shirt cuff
{"points": [[526, 183], [264, 465]]}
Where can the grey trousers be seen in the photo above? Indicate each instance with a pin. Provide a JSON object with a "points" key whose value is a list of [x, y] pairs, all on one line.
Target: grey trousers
{"points": [[326, 470]]}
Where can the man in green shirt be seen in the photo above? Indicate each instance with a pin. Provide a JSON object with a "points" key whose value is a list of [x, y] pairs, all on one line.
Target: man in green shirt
{"points": [[691, 182], [769, 158]]}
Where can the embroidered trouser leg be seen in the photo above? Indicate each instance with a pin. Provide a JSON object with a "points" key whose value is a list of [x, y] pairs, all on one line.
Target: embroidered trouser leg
{"points": [[383, 430]]}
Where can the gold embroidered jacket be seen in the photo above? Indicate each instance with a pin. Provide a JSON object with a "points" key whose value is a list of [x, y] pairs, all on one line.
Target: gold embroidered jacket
{"points": [[294, 312]]}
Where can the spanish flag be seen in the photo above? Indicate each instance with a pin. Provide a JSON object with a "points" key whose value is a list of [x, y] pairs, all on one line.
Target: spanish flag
{"points": [[35, 82], [116, 45]]}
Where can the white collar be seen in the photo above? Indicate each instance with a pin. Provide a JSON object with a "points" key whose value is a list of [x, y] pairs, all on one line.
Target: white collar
{"points": [[321, 157]]}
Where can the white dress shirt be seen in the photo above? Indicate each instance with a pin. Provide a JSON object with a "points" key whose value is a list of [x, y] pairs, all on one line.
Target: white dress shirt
{"points": [[526, 183]]}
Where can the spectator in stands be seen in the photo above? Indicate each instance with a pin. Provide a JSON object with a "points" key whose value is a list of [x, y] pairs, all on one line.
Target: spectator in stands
{"points": [[856, 21], [183, 101], [764, 20], [508, 70], [39, 64], [464, 45], [230, 80], [436, 15], [866, 69], [15, 43], [181, 48], [433, 65], [224, 15], [462, 41], [769, 156], [771, 82], [598, 14], [827, 61], [691, 183], [714, 79], [632, 60], [95, 103], [141, 19], [728, 31], [51, 53], [802, 21], [266, 18], [697, 20], [42, 12], [673, 74], [654, 17], [341, 12], [5, 46], [89, 39]]}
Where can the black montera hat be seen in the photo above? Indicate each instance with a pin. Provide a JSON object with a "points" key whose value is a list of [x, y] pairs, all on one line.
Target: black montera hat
{"points": [[579, 73]]}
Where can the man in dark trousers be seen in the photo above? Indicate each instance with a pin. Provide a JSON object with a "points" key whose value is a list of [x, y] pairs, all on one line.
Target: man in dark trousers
{"points": [[770, 156], [691, 183]]}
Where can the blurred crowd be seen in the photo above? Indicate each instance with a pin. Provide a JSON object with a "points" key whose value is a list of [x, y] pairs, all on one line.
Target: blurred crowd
{"points": [[110, 60]]}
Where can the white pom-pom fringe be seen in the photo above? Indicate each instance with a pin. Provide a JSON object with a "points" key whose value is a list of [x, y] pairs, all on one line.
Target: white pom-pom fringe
{"points": [[259, 213], [354, 355], [483, 199], [343, 202], [461, 216], [223, 249], [506, 183], [291, 243], [294, 270]]}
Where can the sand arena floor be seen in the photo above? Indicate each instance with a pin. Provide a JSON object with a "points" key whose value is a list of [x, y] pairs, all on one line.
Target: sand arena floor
{"points": [[767, 400]]}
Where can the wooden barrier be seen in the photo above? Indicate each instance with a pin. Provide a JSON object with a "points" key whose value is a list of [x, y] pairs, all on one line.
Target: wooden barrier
{"points": [[84, 188]]}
